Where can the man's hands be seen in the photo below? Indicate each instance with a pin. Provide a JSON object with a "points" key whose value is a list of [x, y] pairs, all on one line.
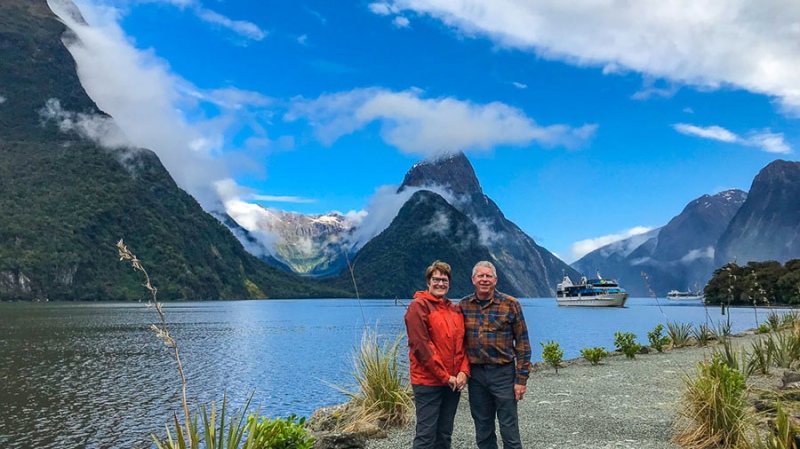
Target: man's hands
{"points": [[519, 391]]}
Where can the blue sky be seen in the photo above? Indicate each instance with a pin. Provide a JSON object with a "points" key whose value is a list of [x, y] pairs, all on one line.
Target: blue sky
{"points": [[585, 121]]}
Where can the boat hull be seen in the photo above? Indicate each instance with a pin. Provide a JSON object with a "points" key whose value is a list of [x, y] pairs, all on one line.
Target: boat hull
{"points": [[609, 300]]}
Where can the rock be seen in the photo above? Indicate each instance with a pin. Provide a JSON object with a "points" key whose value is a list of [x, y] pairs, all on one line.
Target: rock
{"points": [[326, 419], [644, 350], [339, 440], [791, 380], [368, 430]]}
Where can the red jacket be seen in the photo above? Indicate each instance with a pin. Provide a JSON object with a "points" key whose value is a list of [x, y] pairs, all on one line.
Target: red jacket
{"points": [[435, 340]]}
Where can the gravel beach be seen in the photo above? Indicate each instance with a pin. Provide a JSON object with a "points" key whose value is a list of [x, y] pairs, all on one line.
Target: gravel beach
{"points": [[620, 403]]}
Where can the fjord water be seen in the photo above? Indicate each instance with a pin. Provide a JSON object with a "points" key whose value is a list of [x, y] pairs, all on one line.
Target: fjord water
{"points": [[94, 375]]}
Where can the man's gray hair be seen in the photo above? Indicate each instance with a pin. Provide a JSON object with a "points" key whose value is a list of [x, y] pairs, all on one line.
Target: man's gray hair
{"points": [[485, 264]]}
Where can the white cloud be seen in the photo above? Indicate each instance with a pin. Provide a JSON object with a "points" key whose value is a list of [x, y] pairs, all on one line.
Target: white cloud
{"points": [[746, 44], [440, 223], [382, 8], [401, 22], [245, 29], [2, 99], [702, 253], [765, 140], [99, 129], [430, 127], [519, 85], [303, 39], [281, 199], [688, 110], [710, 132], [584, 247], [152, 106]]}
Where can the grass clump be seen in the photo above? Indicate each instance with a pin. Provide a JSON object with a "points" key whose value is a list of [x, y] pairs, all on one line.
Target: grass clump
{"points": [[594, 355], [626, 343], [760, 357], [702, 334], [552, 354], [679, 333], [384, 397], [658, 341], [764, 328], [714, 408]]}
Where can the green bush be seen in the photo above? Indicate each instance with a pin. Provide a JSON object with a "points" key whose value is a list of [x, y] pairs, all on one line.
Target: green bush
{"points": [[702, 334], [764, 328], [658, 341], [279, 433], [594, 355], [552, 354], [626, 342]]}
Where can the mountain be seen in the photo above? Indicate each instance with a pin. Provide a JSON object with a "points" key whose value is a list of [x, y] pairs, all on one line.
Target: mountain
{"points": [[310, 245], [767, 227], [427, 228], [675, 256], [66, 201], [529, 269]]}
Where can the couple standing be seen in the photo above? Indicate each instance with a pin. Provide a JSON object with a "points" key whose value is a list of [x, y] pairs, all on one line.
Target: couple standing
{"points": [[481, 342]]}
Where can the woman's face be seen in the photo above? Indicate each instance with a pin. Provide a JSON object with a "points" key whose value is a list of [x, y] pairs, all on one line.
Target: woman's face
{"points": [[438, 284]]}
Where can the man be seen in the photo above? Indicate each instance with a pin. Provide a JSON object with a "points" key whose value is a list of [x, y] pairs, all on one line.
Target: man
{"points": [[499, 354]]}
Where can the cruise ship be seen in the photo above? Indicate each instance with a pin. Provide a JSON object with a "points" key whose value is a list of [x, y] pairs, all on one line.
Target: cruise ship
{"points": [[597, 292]]}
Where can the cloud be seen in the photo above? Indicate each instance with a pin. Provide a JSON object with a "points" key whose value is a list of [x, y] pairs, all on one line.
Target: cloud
{"points": [[99, 129], [430, 127], [584, 247], [765, 140], [281, 199], [382, 8], [152, 106], [243, 28], [401, 22], [702, 253], [519, 85], [303, 39], [440, 224], [747, 44], [2, 99]]}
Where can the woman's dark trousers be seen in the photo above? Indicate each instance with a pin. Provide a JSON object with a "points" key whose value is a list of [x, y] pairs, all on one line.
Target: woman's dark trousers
{"points": [[436, 410]]}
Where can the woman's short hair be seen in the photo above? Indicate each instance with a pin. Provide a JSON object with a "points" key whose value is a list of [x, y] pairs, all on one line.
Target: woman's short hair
{"points": [[439, 266]]}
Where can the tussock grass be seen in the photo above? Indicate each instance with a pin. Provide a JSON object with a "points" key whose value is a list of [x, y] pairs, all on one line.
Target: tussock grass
{"points": [[679, 333], [715, 408], [384, 396]]}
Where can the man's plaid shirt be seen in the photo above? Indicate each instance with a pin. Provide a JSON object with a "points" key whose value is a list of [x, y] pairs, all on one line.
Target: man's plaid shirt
{"points": [[496, 333]]}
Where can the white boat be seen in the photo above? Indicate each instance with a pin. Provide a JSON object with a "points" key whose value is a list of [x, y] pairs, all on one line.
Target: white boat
{"points": [[591, 293], [676, 295]]}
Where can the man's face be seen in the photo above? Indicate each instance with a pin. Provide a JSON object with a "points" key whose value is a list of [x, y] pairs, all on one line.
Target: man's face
{"points": [[484, 281]]}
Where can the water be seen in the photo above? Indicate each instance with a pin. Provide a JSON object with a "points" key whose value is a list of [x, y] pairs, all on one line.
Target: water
{"points": [[94, 375]]}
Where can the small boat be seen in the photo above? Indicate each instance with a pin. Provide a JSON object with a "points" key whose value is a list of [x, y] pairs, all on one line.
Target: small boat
{"points": [[591, 293], [676, 295]]}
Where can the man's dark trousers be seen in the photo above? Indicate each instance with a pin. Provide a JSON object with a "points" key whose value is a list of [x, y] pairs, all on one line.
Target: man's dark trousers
{"points": [[491, 394], [436, 410]]}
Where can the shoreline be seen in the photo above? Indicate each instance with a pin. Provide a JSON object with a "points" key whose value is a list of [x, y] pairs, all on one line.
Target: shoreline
{"points": [[621, 403]]}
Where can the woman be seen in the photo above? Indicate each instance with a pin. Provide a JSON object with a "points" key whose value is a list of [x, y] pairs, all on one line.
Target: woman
{"points": [[439, 366]]}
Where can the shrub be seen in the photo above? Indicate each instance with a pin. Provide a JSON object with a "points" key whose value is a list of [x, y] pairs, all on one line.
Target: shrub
{"points": [[773, 320], [679, 333], [594, 355], [279, 433], [658, 341], [702, 334], [783, 349], [722, 330], [384, 395], [714, 408], [735, 360], [626, 342], [552, 354], [764, 328], [216, 434], [784, 434], [760, 358]]}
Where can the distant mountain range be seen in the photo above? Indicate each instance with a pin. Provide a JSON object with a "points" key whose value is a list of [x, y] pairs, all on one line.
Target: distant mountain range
{"points": [[710, 232], [66, 201]]}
